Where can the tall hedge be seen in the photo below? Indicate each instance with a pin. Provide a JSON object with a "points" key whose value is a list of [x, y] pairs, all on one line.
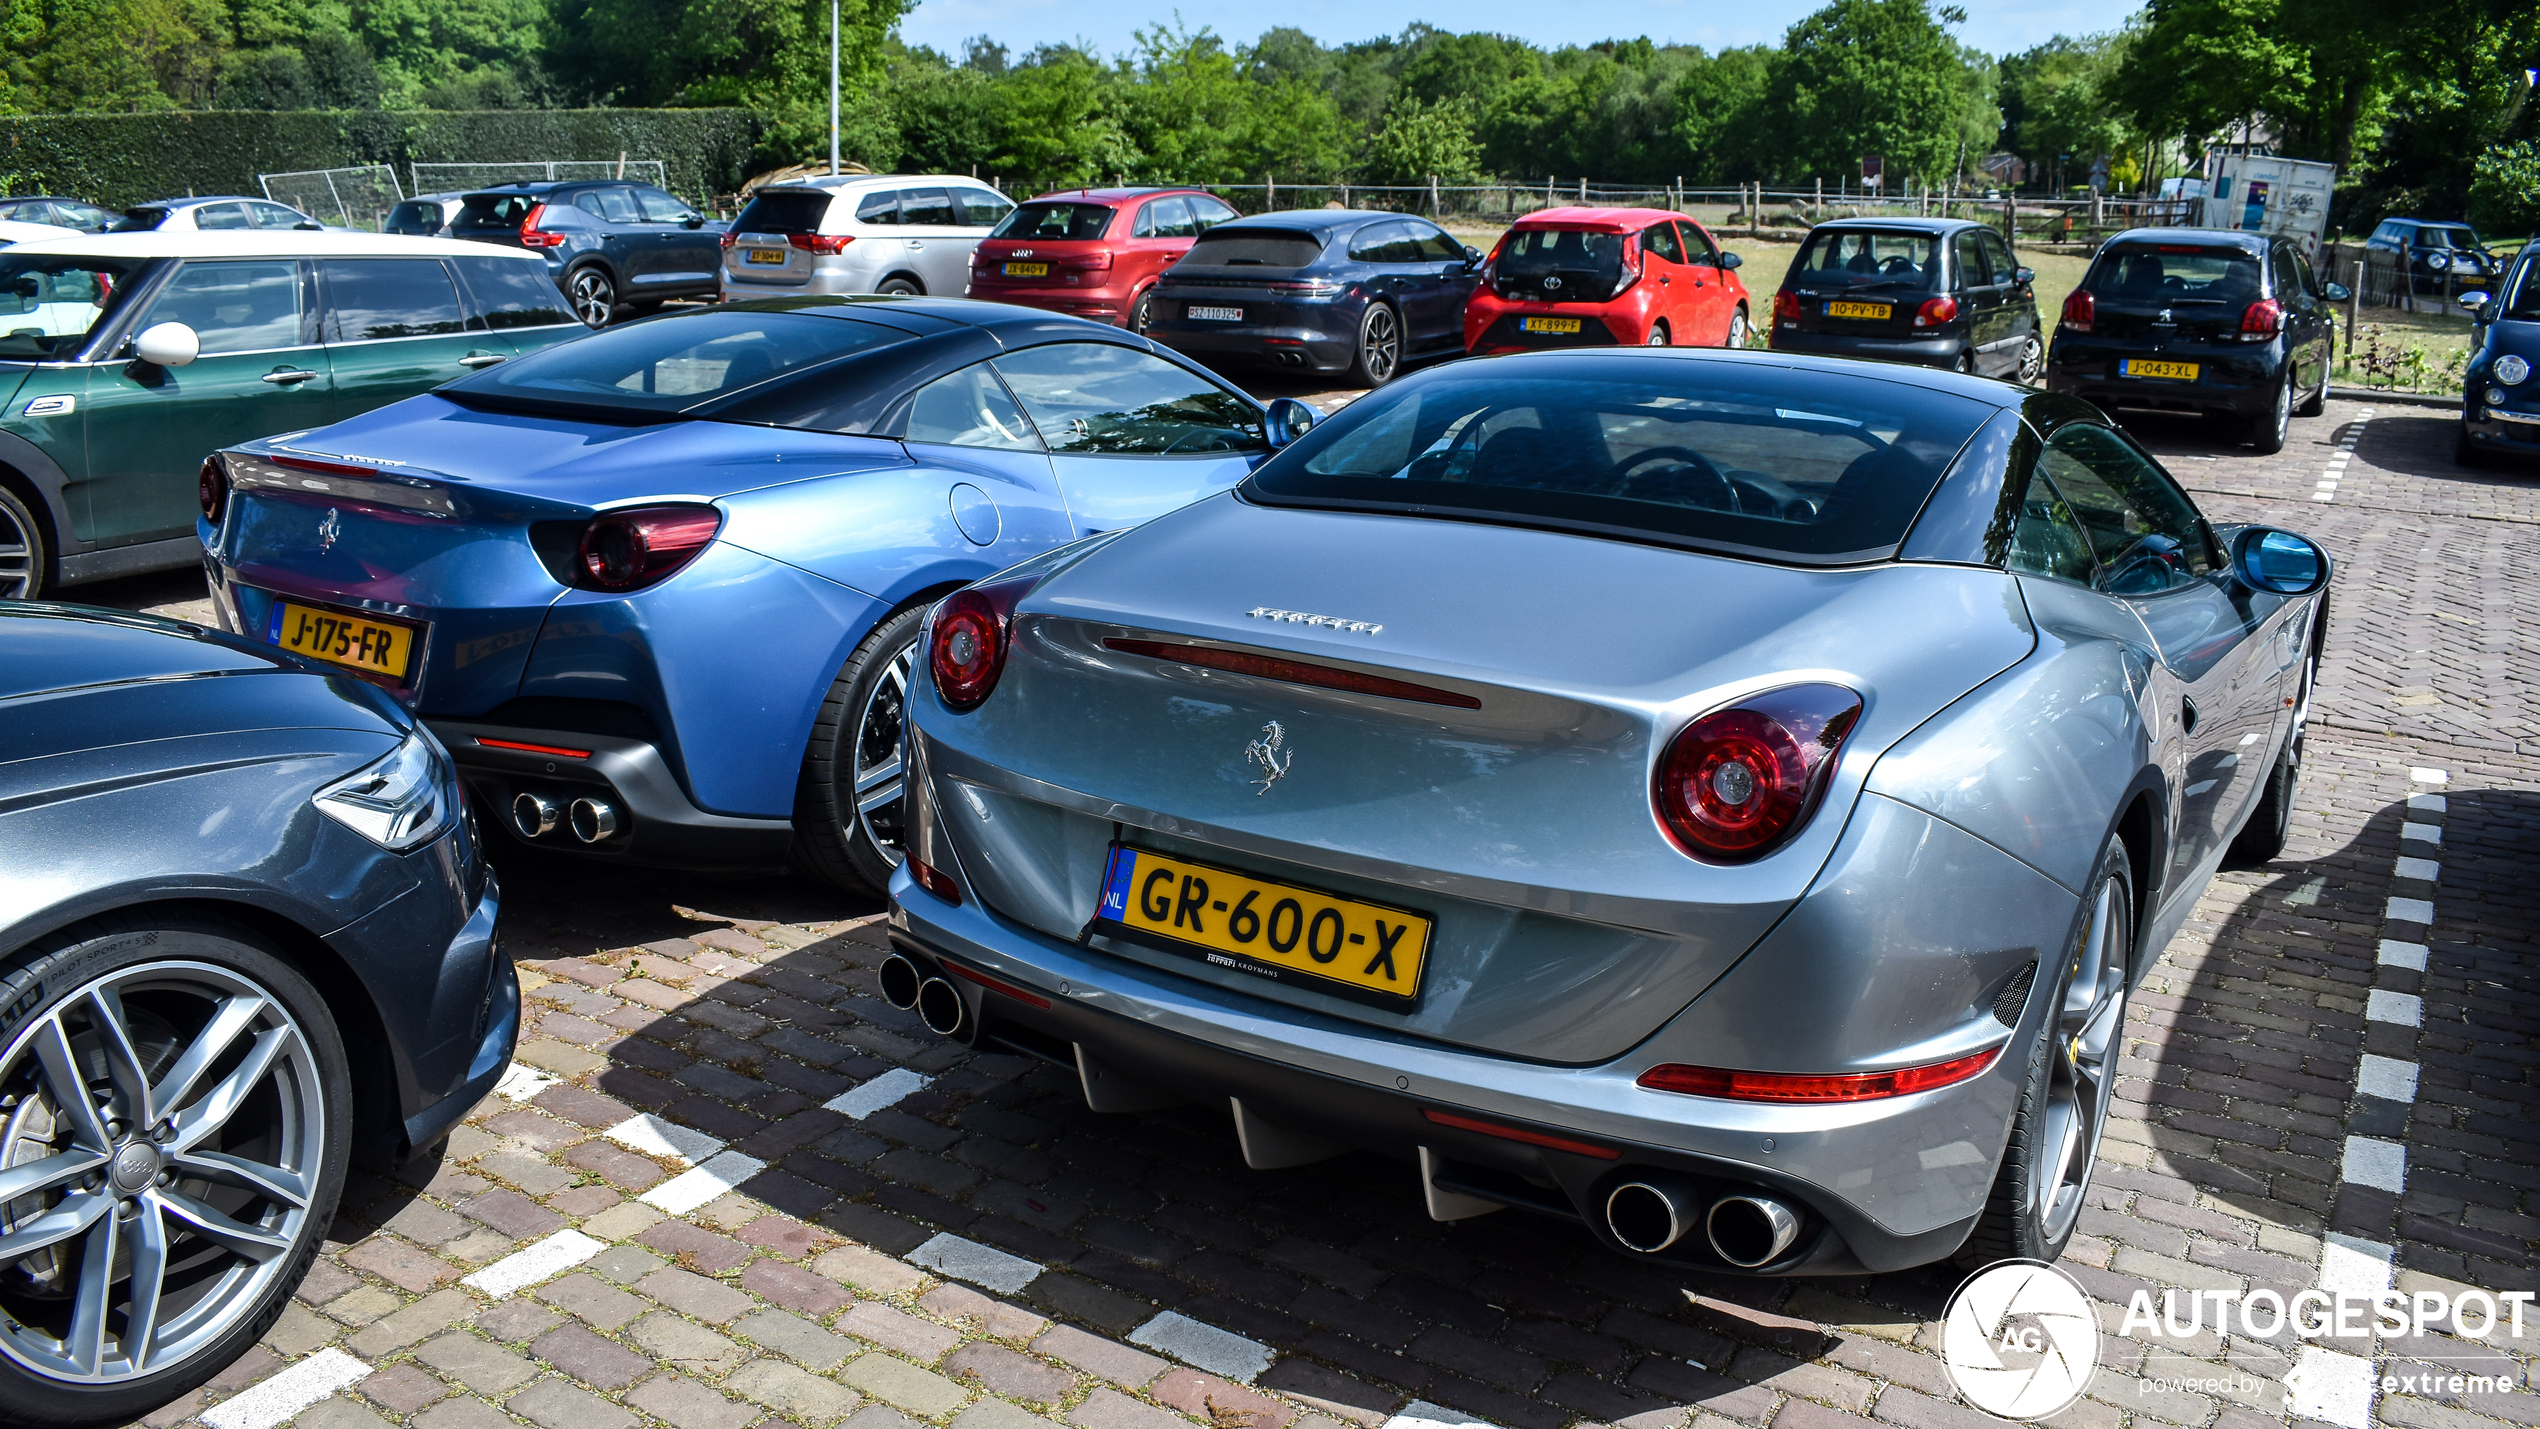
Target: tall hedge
{"points": [[120, 159]]}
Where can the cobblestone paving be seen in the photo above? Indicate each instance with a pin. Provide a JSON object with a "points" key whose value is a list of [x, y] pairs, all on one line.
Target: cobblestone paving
{"points": [[730, 1186]]}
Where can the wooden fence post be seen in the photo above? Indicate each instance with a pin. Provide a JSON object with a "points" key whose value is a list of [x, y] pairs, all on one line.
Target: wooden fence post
{"points": [[2354, 300]]}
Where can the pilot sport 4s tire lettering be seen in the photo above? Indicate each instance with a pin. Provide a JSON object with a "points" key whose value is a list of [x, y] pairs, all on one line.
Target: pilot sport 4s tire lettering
{"points": [[847, 808], [177, 1119], [2071, 1060]]}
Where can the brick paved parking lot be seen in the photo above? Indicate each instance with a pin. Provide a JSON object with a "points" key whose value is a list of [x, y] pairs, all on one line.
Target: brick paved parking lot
{"points": [[726, 1185]]}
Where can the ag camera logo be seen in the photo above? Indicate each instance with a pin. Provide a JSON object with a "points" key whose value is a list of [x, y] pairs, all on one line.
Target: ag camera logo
{"points": [[2019, 1340]]}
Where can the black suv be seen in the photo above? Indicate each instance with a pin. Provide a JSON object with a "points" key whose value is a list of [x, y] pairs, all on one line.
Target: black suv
{"points": [[1941, 292], [612, 246], [2429, 252], [2209, 320]]}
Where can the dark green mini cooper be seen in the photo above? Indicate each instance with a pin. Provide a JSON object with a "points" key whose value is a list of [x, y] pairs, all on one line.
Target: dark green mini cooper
{"points": [[127, 358]]}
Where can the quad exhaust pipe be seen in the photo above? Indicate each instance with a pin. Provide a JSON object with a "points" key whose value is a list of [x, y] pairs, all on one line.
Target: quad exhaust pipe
{"points": [[940, 1007], [1746, 1229], [535, 815], [901, 980]]}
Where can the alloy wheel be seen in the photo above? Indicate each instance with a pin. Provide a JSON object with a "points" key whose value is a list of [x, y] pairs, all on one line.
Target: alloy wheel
{"points": [[594, 297], [881, 756], [1380, 344], [17, 556], [1142, 313], [1741, 333], [1658, 336], [2081, 1074], [162, 1132], [2032, 361]]}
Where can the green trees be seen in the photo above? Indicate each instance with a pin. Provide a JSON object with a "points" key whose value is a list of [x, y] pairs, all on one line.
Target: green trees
{"points": [[1883, 77]]}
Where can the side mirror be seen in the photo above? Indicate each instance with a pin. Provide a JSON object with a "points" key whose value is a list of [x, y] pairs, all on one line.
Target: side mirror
{"points": [[1289, 419], [1472, 255], [2278, 561], [1730, 260], [2024, 276], [167, 345], [2477, 303], [310, 225], [692, 221], [2336, 292]]}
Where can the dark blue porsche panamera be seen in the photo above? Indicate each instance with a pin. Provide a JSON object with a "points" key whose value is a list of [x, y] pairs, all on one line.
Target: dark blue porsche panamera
{"points": [[657, 589]]}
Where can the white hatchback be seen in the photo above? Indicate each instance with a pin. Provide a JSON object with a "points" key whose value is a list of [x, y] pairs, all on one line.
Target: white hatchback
{"points": [[862, 233]]}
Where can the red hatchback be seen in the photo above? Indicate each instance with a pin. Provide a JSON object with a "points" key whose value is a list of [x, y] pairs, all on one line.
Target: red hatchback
{"points": [[1092, 253], [1598, 277]]}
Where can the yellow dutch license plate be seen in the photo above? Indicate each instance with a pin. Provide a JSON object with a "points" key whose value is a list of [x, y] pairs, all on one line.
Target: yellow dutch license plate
{"points": [[1363, 951], [1876, 312], [2173, 371], [1027, 270], [1548, 324], [766, 256], [377, 647]]}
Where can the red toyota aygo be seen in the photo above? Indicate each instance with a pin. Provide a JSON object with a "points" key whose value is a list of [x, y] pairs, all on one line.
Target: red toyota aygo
{"points": [[1601, 277]]}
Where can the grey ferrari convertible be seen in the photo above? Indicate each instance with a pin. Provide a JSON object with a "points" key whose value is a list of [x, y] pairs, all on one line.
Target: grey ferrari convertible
{"points": [[1721, 798]]}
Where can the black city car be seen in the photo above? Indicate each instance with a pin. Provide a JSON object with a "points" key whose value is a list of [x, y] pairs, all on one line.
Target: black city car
{"points": [[2500, 408], [1330, 290], [246, 938], [1938, 292], [612, 246], [2433, 252], [2232, 325]]}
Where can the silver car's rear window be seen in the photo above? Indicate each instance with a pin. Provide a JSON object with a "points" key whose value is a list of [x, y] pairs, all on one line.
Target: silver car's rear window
{"points": [[1811, 466]]}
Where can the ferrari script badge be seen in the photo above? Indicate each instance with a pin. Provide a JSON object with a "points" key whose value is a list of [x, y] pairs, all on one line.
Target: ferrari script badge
{"points": [[1271, 754]]}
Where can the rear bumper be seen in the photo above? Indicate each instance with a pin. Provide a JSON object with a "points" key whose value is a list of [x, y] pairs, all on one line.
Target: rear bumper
{"points": [[2234, 380], [1937, 351], [1313, 1081], [1102, 305], [658, 825]]}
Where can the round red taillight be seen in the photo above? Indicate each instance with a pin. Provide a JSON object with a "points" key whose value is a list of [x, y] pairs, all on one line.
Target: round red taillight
{"points": [[629, 550], [969, 648], [1737, 782], [211, 489]]}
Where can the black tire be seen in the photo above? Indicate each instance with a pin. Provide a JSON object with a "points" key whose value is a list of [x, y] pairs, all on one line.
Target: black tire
{"points": [[23, 559], [1967, 362], [2317, 403], [1377, 356], [170, 976], [847, 807], [900, 285], [2262, 839], [2032, 366], [2268, 428], [1142, 313], [1658, 335], [2044, 1179], [1741, 333], [592, 293]]}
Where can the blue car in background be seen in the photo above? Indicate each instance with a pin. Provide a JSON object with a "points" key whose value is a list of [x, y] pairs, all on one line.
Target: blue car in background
{"points": [[612, 246], [2500, 408], [1322, 290], [658, 589]]}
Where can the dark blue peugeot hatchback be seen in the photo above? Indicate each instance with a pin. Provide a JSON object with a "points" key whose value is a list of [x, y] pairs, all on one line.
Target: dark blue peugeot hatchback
{"points": [[2500, 405], [1331, 290]]}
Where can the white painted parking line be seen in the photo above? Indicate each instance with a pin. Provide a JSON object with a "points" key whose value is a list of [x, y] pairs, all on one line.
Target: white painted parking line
{"points": [[2382, 1165], [2410, 910], [1220, 1352], [2351, 1265], [1421, 1414], [954, 1258], [655, 1137], [2404, 1008], [2428, 804], [2421, 833], [2331, 1387], [857, 1103], [523, 1268], [2429, 776], [2424, 869], [2387, 1078], [287, 1393], [690, 1189], [521, 1082], [2403, 955]]}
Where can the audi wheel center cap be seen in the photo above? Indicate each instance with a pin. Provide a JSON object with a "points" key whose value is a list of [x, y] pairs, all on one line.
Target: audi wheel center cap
{"points": [[2020, 1340], [135, 1166]]}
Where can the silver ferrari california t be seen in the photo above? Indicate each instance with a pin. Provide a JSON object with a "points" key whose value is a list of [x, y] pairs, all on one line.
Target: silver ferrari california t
{"points": [[1721, 798]]}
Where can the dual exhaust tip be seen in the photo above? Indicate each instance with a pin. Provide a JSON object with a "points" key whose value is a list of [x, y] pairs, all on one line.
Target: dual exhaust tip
{"points": [[1747, 1229], [936, 1001], [590, 820]]}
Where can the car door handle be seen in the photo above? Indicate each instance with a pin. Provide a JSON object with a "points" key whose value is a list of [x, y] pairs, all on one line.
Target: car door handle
{"points": [[2186, 715], [914, 242], [480, 359], [1664, 280], [287, 377]]}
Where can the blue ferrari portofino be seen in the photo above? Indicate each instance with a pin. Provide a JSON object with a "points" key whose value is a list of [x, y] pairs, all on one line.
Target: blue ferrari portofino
{"points": [[657, 588]]}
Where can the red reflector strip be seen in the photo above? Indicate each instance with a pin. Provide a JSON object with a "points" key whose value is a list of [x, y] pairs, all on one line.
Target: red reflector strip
{"points": [[936, 881], [556, 750], [1519, 1133], [1032, 999], [332, 468], [1781, 1087], [1294, 672]]}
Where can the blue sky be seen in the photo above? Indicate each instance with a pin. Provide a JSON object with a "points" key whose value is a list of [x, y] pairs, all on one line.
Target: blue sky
{"points": [[1998, 25]]}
